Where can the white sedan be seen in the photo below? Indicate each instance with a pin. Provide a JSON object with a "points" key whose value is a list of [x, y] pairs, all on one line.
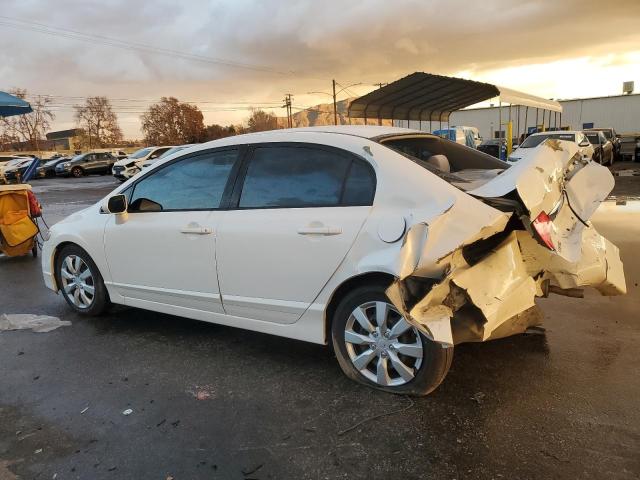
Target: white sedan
{"points": [[391, 244], [532, 141]]}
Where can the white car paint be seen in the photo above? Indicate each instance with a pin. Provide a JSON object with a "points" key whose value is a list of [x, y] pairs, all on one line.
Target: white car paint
{"points": [[129, 166], [583, 143], [277, 270]]}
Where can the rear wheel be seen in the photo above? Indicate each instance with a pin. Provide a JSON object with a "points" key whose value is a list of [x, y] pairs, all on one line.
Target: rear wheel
{"points": [[376, 346], [77, 172], [80, 281]]}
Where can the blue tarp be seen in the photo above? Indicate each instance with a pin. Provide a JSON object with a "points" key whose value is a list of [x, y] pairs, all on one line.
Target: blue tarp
{"points": [[10, 105]]}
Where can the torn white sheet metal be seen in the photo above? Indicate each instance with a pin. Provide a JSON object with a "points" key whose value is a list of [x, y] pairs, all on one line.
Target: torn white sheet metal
{"points": [[599, 266], [553, 178], [502, 286], [427, 243], [26, 321]]}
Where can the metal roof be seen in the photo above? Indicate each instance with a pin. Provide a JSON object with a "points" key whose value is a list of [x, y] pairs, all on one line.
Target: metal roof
{"points": [[425, 96], [12, 105]]}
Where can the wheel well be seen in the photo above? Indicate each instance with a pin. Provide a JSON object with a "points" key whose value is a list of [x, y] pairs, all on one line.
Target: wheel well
{"points": [[345, 287], [56, 253]]}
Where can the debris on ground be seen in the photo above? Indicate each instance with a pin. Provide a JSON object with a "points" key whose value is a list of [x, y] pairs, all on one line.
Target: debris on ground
{"points": [[128, 411], [26, 321], [478, 397], [249, 471], [83, 411], [201, 392]]}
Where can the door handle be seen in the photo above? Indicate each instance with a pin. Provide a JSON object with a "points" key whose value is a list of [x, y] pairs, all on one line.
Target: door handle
{"points": [[328, 231], [197, 230]]}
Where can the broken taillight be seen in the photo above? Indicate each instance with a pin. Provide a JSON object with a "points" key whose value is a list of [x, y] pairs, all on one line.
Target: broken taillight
{"points": [[542, 225]]}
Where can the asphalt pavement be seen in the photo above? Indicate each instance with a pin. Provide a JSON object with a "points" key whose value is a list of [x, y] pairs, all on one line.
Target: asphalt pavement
{"points": [[210, 401]]}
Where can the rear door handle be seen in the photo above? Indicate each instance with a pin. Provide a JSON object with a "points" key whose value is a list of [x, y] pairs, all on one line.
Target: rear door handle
{"points": [[197, 230], [320, 231]]}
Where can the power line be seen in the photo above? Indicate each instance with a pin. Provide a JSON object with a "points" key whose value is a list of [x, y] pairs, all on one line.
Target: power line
{"points": [[114, 42]]}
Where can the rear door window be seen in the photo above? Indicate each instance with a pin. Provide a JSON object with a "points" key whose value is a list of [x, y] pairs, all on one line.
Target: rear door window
{"points": [[287, 176]]}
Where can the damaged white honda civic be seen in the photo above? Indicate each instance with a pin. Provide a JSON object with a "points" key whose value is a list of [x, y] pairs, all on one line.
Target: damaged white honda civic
{"points": [[391, 244]]}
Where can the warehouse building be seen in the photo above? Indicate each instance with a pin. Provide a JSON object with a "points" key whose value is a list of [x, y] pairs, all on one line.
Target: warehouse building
{"points": [[622, 112]]}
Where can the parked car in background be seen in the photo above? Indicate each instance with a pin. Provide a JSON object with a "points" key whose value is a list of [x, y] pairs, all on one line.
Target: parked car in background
{"points": [[535, 139], [494, 147], [7, 159], [128, 167], [370, 238], [171, 151], [477, 139], [48, 168], [118, 154], [461, 135], [86, 164], [602, 148], [12, 172], [611, 135]]}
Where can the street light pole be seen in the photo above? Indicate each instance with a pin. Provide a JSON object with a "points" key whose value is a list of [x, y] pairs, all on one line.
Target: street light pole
{"points": [[335, 109]]}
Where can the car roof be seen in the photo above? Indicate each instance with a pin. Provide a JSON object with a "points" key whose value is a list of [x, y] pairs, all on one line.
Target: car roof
{"points": [[363, 131]]}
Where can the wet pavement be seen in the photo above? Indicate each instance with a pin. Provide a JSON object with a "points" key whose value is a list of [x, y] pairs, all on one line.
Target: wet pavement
{"points": [[210, 401]]}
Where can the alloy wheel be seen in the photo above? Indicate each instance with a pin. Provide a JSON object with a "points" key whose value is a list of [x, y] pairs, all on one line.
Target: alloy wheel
{"points": [[77, 281], [382, 345]]}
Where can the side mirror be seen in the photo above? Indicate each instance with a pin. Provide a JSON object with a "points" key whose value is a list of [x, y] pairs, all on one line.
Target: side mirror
{"points": [[116, 204]]}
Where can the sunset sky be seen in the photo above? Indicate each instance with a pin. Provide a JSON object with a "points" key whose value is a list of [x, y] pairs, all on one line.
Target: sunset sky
{"points": [[228, 56]]}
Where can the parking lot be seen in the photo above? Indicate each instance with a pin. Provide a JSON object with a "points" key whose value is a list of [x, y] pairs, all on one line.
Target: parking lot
{"points": [[210, 401]]}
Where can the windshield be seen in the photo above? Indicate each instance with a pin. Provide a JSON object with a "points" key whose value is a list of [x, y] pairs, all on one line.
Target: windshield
{"points": [[593, 137], [535, 140], [50, 163], [170, 152], [79, 157], [607, 134], [143, 152]]}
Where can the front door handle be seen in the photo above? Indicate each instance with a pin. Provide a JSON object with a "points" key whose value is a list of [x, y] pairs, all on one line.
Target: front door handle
{"points": [[320, 231], [197, 230]]}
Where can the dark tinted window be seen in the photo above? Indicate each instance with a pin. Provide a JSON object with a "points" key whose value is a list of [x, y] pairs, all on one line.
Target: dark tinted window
{"points": [[360, 186], [290, 177], [194, 183]]}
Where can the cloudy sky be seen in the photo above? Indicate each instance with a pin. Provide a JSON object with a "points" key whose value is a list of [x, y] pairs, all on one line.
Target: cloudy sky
{"points": [[229, 55]]}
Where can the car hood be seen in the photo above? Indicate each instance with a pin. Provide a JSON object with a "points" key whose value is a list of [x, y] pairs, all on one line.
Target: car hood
{"points": [[126, 161]]}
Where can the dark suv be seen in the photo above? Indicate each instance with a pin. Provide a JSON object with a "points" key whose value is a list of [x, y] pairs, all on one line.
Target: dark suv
{"points": [[85, 164]]}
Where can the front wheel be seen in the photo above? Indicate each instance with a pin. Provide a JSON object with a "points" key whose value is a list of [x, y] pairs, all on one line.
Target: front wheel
{"points": [[80, 281], [377, 347], [77, 172]]}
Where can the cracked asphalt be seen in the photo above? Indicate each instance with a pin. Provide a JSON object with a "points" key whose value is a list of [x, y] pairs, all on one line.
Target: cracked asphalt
{"points": [[210, 401]]}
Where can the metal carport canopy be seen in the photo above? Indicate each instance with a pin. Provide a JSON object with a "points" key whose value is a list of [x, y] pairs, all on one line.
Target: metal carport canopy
{"points": [[425, 96]]}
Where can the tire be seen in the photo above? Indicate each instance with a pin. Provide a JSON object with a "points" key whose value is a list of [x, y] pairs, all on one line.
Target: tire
{"points": [[427, 372], [77, 172], [71, 278]]}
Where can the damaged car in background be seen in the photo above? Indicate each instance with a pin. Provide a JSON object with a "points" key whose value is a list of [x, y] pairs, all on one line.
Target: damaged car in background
{"points": [[390, 244]]}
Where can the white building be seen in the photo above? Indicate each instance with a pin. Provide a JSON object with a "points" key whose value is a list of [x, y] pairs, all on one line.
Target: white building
{"points": [[622, 112]]}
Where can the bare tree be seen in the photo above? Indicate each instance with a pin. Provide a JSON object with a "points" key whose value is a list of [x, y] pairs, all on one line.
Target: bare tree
{"points": [[171, 122], [98, 122], [31, 127], [260, 121]]}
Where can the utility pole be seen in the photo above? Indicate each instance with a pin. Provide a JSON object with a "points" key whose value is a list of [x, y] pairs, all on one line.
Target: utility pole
{"points": [[287, 104], [335, 108]]}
